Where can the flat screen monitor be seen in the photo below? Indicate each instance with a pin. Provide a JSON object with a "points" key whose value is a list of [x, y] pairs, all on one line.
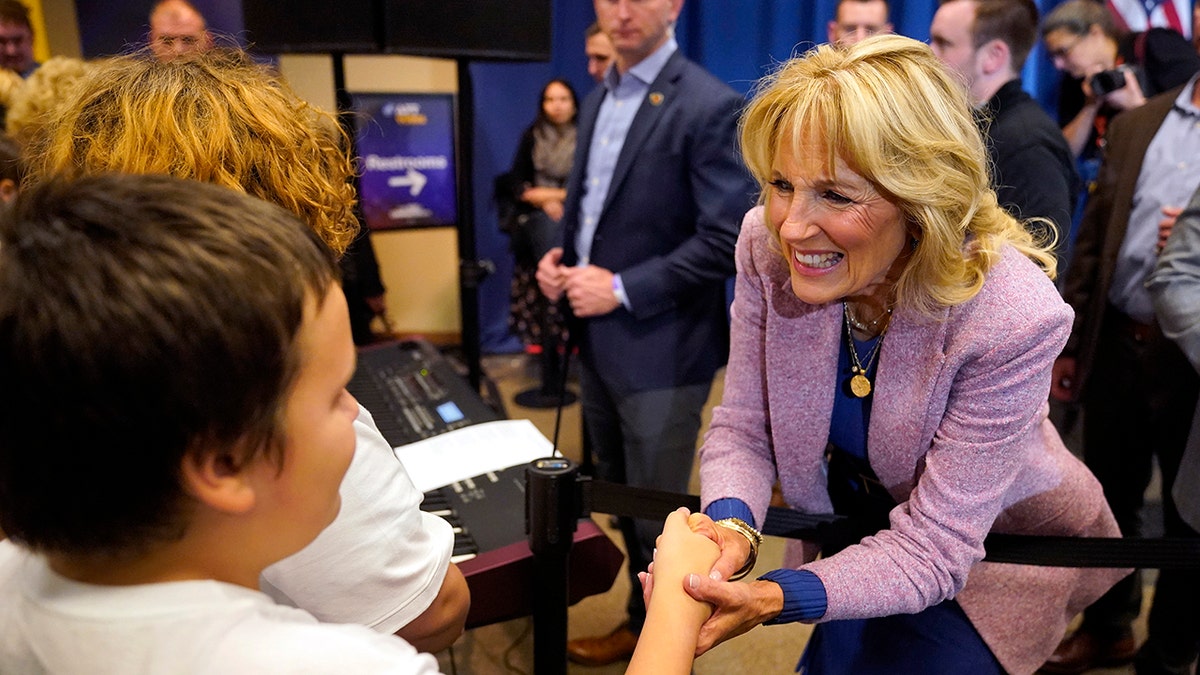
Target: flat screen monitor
{"points": [[507, 30], [313, 26]]}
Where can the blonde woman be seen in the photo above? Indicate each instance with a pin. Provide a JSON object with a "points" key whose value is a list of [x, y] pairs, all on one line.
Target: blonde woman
{"points": [[893, 331]]}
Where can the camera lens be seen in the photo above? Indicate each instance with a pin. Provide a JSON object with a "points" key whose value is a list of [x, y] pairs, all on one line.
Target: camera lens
{"points": [[1107, 81]]}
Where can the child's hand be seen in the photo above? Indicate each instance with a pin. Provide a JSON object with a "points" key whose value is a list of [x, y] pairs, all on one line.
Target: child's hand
{"points": [[686, 534], [682, 547], [647, 580], [733, 547]]}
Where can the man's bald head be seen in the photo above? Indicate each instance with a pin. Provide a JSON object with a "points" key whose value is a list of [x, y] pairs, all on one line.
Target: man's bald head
{"points": [[177, 29]]}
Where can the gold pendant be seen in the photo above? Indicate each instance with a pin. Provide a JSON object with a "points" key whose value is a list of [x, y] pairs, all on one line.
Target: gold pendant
{"points": [[860, 386]]}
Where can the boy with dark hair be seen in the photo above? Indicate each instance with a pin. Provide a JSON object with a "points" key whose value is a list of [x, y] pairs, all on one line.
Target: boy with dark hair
{"points": [[173, 419], [383, 563]]}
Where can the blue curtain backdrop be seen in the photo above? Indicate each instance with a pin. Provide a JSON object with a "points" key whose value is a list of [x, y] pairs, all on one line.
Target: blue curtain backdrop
{"points": [[737, 40]]}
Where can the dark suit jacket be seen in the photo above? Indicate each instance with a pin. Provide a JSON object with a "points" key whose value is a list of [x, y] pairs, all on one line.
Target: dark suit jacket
{"points": [[668, 226], [1104, 223]]}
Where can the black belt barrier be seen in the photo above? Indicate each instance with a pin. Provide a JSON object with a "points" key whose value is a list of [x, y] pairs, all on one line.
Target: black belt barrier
{"points": [[1021, 549], [557, 496]]}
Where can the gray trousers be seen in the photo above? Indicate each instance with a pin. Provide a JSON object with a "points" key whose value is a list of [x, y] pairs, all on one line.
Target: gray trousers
{"points": [[643, 439]]}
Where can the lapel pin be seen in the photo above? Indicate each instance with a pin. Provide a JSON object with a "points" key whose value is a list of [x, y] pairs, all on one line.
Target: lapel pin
{"points": [[656, 98]]}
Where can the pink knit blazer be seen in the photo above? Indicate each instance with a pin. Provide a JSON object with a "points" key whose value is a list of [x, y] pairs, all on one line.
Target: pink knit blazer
{"points": [[958, 434]]}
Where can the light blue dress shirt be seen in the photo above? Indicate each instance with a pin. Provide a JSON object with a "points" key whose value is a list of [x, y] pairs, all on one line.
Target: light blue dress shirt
{"points": [[1170, 174], [621, 103]]}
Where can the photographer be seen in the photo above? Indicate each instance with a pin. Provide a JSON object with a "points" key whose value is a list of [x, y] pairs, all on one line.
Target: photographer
{"points": [[1109, 71], [1106, 71]]}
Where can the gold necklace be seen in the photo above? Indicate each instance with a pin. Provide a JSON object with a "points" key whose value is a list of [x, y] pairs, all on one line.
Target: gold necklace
{"points": [[860, 384]]}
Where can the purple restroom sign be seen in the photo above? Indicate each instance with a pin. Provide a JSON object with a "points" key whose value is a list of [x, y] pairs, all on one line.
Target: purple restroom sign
{"points": [[405, 148]]}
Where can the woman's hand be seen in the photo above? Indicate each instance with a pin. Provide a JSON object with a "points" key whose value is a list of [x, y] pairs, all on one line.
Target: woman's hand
{"points": [[540, 196], [553, 209], [1128, 97], [737, 606]]}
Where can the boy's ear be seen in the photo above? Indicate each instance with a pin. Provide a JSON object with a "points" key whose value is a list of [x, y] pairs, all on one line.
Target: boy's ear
{"points": [[8, 190], [218, 480]]}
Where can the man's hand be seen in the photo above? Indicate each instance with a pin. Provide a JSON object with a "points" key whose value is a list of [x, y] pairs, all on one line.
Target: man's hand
{"points": [[589, 290], [1170, 214], [551, 274]]}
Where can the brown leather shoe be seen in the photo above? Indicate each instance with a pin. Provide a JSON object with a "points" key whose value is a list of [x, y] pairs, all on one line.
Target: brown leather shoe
{"points": [[603, 650], [1084, 651]]}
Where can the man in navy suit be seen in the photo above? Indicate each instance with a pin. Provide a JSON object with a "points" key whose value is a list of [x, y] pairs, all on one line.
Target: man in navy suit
{"points": [[653, 208]]}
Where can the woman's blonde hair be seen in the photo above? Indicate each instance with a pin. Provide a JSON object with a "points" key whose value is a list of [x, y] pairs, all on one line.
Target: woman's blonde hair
{"points": [[888, 108], [217, 118]]}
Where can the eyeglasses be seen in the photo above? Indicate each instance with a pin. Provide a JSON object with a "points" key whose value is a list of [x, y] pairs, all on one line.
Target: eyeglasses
{"points": [[1062, 52]]}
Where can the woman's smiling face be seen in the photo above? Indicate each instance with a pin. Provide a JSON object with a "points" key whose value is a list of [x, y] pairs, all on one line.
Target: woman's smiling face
{"points": [[841, 238]]}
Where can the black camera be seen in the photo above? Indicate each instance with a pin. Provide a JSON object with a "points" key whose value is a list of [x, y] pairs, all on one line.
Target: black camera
{"points": [[1107, 81]]}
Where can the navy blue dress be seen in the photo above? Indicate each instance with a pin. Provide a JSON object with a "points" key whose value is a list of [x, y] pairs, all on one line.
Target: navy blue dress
{"points": [[939, 640]]}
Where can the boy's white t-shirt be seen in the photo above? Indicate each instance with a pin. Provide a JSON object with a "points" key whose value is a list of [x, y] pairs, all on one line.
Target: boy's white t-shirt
{"points": [[50, 624], [381, 563]]}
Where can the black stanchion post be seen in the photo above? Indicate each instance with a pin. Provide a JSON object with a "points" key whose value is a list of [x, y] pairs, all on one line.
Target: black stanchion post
{"points": [[553, 506]]}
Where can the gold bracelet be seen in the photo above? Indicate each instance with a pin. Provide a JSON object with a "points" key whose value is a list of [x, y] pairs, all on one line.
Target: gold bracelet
{"points": [[752, 535]]}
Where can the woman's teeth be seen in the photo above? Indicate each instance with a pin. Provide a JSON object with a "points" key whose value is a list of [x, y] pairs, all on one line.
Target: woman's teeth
{"points": [[818, 261]]}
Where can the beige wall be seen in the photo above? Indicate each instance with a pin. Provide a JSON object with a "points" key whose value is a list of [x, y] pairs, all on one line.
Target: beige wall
{"points": [[62, 28], [419, 267]]}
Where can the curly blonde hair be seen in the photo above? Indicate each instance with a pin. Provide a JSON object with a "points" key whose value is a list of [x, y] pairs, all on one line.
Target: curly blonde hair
{"points": [[217, 118], [9, 83], [38, 94], [889, 109]]}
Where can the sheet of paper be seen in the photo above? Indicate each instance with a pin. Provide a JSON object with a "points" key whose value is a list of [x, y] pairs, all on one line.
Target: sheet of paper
{"points": [[470, 451]]}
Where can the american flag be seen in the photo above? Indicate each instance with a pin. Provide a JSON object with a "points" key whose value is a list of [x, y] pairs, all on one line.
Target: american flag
{"points": [[1138, 15]]}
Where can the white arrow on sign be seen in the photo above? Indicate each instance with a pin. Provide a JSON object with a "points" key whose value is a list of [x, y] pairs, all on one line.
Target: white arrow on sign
{"points": [[414, 180]]}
